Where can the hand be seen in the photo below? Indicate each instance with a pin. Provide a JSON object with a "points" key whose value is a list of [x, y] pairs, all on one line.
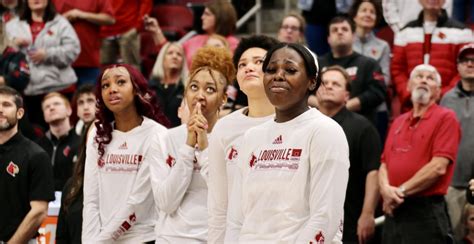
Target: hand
{"points": [[38, 55], [471, 185], [21, 42], [192, 136], [392, 198], [353, 104], [73, 14], [151, 24], [201, 129], [365, 227]]}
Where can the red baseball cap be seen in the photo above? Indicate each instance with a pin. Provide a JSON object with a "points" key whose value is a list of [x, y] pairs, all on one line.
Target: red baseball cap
{"points": [[465, 49]]}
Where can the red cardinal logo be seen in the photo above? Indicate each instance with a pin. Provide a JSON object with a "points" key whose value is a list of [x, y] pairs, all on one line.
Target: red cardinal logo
{"points": [[253, 160], [441, 35], [66, 151], [232, 154], [170, 161], [101, 162], [13, 169], [319, 238]]}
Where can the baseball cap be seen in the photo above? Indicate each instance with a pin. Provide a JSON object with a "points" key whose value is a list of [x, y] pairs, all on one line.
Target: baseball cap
{"points": [[465, 49]]}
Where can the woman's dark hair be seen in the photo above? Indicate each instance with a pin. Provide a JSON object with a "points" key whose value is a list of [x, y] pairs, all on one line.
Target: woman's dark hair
{"points": [[145, 103], [226, 16], [25, 12], [77, 179], [258, 41], [377, 6], [309, 60]]}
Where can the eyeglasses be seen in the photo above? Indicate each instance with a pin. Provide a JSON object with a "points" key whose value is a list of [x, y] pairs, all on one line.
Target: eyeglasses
{"points": [[466, 60], [293, 28]]}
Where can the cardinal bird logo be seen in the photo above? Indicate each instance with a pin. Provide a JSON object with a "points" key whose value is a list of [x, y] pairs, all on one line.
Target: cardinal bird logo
{"points": [[253, 160], [12, 169], [232, 154], [170, 161]]}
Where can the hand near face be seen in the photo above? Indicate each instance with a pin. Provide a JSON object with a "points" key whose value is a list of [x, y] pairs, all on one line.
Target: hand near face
{"points": [[38, 55], [197, 129]]}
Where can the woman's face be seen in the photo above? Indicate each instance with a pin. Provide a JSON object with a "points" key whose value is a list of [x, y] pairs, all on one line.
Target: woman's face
{"points": [[366, 16], [203, 89], [290, 30], [173, 58], [117, 90], [250, 73], [36, 5], [285, 80], [470, 221], [208, 21]]}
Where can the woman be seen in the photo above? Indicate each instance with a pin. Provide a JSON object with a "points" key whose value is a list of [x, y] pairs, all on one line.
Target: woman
{"points": [[292, 29], [167, 80], [126, 139], [366, 14], [51, 45], [69, 226], [179, 184], [293, 169], [225, 143]]}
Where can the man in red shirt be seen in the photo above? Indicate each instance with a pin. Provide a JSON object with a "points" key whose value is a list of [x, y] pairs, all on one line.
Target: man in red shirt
{"points": [[87, 16], [122, 38], [417, 165]]}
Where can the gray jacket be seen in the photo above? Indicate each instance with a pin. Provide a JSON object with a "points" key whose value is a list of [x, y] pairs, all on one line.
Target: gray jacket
{"points": [[62, 47], [375, 48], [463, 105]]}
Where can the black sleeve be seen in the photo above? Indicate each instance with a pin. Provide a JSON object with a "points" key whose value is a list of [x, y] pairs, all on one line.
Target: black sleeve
{"points": [[41, 186], [370, 147], [376, 92], [62, 235]]}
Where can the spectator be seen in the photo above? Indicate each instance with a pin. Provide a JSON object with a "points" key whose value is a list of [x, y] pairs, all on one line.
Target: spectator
{"points": [[366, 14], [122, 38], [225, 143], [460, 100], [468, 221], [216, 40], [60, 141], [290, 186], [368, 90], [87, 16], [431, 39], [292, 29], [85, 102], [26, 178], [180, 182], [362, 192], [398, 13], [417, 165], [168, 79], [51, 45], [8, 10], [69, 227], [470, 192], [318, 14], [126, 140]]}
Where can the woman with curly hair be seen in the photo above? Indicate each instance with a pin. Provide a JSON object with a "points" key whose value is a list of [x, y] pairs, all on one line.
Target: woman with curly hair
{"points": [[179, 184], [126, 139]]}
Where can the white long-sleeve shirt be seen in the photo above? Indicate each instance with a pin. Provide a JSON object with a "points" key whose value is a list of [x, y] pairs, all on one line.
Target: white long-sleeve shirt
{"points": [[118, 199], [180, 190], [292, 182], [224, 148]]}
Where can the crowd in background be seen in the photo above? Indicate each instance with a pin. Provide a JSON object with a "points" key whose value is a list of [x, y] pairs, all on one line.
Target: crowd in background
{"points": [[396, 77]]}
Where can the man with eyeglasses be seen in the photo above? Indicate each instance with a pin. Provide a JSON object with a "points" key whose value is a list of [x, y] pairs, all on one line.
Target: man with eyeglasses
{"points": [[417, 165], [461, 100]]}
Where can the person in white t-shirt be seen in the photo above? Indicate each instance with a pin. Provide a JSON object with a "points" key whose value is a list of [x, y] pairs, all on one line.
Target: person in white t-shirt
{"points": [[180, 183], [227, 134], [293, 170], [126, 139]]}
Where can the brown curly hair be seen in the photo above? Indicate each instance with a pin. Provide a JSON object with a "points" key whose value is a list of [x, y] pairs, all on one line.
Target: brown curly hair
{"points": [[215, 58]]}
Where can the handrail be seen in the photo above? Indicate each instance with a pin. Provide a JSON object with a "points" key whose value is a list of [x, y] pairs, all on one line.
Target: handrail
{"points": [[255, 10]]}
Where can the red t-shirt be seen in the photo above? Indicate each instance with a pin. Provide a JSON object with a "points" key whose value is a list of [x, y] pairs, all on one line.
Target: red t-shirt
{"points": [[36, 28], [88, 33], [412, 143], [128, 15]]}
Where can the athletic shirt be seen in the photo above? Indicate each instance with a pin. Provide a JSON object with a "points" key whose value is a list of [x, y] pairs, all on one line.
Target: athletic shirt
{"points": [[224, 148], [118, 199], [180, 188], [292, 182]]}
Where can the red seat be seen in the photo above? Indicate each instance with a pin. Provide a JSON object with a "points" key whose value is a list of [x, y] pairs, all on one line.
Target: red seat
{"points": [[175, 20]]}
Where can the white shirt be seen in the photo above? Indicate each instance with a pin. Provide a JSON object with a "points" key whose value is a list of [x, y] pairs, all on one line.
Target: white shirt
{"points": [[180, 189], [292, 183], [118, 199], [224, 148]]}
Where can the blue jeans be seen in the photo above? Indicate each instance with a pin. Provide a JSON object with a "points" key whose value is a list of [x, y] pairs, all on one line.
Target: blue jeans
{"points": [[86, 75]]}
